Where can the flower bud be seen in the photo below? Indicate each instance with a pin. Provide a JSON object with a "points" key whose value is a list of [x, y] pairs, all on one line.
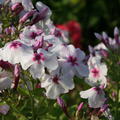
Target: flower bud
{"points": [[102, 109], [17, 8], [62, 104], [38, 85], [27, 16], [116, 35], [80, 106], [16, 75], [98, 36], [39, 16], [6, 65], [105, 39]]}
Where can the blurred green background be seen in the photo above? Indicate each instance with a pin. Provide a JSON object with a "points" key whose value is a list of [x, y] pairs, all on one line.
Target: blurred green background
{"points": [[93, 15]]}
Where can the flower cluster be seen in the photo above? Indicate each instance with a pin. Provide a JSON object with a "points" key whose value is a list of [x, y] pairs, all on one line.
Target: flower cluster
{"points": [[34, 50], [40, 49]]}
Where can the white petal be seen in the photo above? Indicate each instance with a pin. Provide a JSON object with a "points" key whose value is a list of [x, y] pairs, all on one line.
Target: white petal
{"points": [[5, 80], [80, 54], [88, 93], [54, 91], [97, 100], [67, 82], [82, 70], [37, 70], [51, 62]]}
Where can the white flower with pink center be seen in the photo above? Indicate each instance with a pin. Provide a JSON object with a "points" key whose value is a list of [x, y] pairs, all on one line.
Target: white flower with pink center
{"points": [[97, 72], [17, 52], [41, 60], [56, 84], [71, 59], [29, 35], [96, 97]]}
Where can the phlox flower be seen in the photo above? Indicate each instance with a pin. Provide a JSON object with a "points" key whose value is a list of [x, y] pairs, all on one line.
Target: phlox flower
{"points": [[71, 59], [57, 83], [17, 52], [41, 60], [97, 71], [60, 34], [95, 96], [29, 34]]}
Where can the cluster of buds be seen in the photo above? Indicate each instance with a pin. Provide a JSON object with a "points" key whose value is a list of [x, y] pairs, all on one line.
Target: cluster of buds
{"points": [[110, 43]]}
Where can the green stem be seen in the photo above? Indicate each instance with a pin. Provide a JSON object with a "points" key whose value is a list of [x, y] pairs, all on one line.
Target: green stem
{"points": [[32, 100], [3, 117]]}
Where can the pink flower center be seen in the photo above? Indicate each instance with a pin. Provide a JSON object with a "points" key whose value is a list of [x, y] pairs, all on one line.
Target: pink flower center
{"points": [[95, 72], [72, 60], [33, 35], [38, 57], [55, 79], [15, 44], [97, 89]]}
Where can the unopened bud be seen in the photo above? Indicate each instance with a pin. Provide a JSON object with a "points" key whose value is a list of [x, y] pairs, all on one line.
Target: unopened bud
{"points": [[39, 16], [17, 8], [27, 16], [38, 85], [98, 36], [116, 35], [16, 75], [62, 104], [102, 109], [80, 106], [6, 65], [105, 39]]}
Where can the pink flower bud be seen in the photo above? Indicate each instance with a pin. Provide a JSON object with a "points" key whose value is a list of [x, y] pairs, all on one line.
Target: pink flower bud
{"points": [[62, 104], [38, 85], [39, 16], [6, 65], [17, 8], [80, 106], [102, 109], [16, 75], [4, 109], [27, 16]]}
